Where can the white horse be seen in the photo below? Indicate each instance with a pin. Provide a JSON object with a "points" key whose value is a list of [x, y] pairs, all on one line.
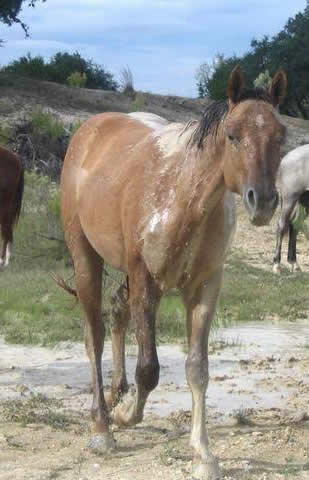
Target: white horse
{"points": [[293, 183]]}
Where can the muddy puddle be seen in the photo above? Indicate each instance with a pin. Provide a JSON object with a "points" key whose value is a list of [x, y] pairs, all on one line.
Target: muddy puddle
{"points": [[252, 366]]}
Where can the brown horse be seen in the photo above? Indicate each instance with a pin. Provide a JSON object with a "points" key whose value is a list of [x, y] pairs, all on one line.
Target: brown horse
{"points": [[154, 200], [11, 195]]}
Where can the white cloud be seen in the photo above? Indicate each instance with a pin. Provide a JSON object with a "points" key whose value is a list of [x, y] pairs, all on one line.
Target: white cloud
{"points": [[163, 41]]}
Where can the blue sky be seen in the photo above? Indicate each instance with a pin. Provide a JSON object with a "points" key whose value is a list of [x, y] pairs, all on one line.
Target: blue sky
{"points": [[162, 41]]}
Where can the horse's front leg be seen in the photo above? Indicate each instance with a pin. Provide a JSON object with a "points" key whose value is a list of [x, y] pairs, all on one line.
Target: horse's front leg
{"points": [[144, 301], [294, 267], [200, 306], [283, 225]]}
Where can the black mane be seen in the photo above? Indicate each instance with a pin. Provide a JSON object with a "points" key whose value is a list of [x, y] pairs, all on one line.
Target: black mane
{"points": [[215, 112]]}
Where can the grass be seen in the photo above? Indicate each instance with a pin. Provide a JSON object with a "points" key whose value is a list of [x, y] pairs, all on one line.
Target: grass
{"points": [[35, 409], [47, 124], [34, 310], [242, 416], [254, 294]]}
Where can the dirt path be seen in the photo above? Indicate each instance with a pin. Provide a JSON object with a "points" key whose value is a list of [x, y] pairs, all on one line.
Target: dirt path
{"points": [[257, 411]]}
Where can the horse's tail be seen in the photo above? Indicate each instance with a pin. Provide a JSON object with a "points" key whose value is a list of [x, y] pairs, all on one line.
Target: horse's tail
{"points": [[63, 284], [19, 196]]}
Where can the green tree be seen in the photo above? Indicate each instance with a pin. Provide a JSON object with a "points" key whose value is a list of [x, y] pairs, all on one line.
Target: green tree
{"points": [[216, 85], [10, 10], [28, 66], [61, 66], [288, 49]]}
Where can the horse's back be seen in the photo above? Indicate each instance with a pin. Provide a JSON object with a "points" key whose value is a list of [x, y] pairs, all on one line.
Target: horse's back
{"points": [[102, 176], [293, 174], [10, 169]]}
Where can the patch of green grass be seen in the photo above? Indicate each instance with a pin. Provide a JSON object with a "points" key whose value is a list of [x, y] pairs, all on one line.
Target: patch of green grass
{"points": [[171, 319], [5, 135], [36, 408], [138, 104], [34, 310], [47, 123], [254, 294]]}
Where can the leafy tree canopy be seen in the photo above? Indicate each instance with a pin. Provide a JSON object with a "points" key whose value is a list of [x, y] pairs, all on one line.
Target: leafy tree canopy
{"points": [[288, 50], [61, 66], [10, 9]]}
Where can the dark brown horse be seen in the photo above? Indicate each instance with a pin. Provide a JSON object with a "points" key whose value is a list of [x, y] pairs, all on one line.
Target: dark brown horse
{"points": [[155, 201], [11, 195]]}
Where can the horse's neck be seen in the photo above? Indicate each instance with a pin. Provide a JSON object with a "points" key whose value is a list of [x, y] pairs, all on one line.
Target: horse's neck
{"points": [[189, 180], [203, 181]]}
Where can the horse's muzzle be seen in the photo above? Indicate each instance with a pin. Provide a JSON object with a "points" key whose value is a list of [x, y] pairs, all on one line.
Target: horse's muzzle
{"points": [[260, 206]]}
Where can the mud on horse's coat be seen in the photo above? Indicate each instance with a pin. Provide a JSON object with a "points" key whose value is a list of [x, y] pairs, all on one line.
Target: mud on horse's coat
{"points": [[155, 200]]}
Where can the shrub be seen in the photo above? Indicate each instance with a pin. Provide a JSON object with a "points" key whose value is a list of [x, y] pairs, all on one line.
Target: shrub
{"points": [[5, 135], [42, 219], [138, 105], [62, 66], [127, 81], [77, 80], [29, 66], [263, 80], [46, 123], [42, 143]]}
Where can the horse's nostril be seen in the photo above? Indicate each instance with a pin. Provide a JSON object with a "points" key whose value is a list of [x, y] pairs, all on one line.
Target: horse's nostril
{"points": [[251, 197]]}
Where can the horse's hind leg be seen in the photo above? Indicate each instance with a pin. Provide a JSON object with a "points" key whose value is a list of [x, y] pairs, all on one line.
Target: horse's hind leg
{"points": [[120, 316], [88, 276], [283, 225], [144, 301], [7, 237], [294, 267]]}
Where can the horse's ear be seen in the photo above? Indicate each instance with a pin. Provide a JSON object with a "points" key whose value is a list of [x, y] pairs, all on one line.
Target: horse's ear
{"points": [[236, 85], [278, 88]]}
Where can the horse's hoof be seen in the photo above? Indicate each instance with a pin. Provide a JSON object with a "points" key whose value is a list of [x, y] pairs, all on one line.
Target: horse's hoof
{"points": [[124, 413], [102, 443], [206, 470], [277, 268]]}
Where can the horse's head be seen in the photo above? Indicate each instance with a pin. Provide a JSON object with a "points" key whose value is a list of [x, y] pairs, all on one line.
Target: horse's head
{"points": [[253, 134]]}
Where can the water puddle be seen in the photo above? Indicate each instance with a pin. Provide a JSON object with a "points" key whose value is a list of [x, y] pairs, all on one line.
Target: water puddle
{"points": [[253, 365]]}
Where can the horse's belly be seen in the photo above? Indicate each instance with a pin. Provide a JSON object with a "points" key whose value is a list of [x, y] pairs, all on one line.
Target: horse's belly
{"points": [[108, 246]]}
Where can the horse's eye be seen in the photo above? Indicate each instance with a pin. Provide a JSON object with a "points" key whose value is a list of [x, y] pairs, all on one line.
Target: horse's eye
{"points": [[232, 138]]}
